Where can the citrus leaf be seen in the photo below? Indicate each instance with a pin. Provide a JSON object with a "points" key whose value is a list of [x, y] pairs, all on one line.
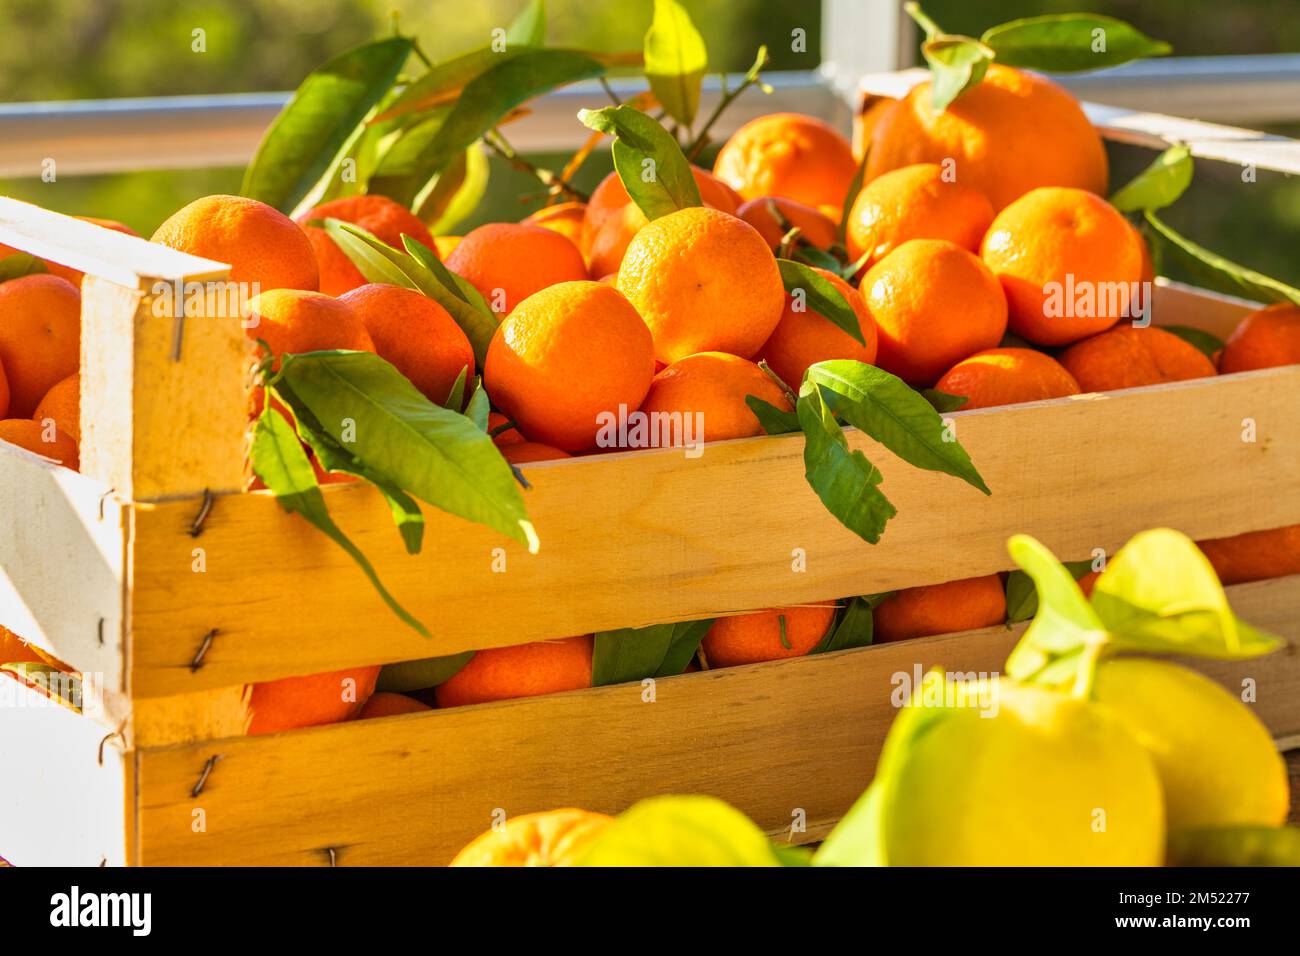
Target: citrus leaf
{"points": [[439, 456], [845, 481], [529, 27], [373, 264], [956, 64], [1022, 597], [686, 639], [455, 193], [1215, 272], [1206, 343], [1070, 43], [1159, 185], [681, 831], [278, 459], [886, 408], [817, 293], [307, 139], [942, 402], [419, 675], [478, 407], [635, 653], [1234, 846], [649, 161], [855, 187], [19, 264], [854, 628], [675, 61], [775, 421]]}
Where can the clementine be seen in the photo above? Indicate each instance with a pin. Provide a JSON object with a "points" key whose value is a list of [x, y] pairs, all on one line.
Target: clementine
{"points": [[40, 337], [509, 261], [1265, 338], [1007, 377], [62, 405], [1129, 357], [1255, 555], [710, 388], [386, 219], [963, 605], [774, 216], [767, 635], [804, 337], [525, 670], [311, 700], [791, 155], [551, 838], [294, 321]]}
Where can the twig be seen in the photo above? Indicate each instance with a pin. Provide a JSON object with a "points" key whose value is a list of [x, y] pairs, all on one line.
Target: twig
{"points": [[610, 91], [728, 96], [553, 183]]}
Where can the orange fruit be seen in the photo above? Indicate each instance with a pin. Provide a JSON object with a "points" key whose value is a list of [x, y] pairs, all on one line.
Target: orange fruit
{"points": [[774, 216], [510, 436], [1012, 132], [46, 441], [294, 321], [1128, 357], [261, 244], [934, 304], [565, 357], [4, 392], [791, 155], [1265, 338], [750, 638], [550, 838], [517, 453], [386, 704], [62, 405], [804, 337], [386, 219], [703, 281], [40, 337], [445, 245], [525, 670], [963, 605], [1070, 264], [65, 272], [712, 386], [1088, 582], [915, 202], [611, 218], [415, 335], [14, 650], [1255, 555], [1007, 377], [311, 700], [509, 261], [566, 218]]}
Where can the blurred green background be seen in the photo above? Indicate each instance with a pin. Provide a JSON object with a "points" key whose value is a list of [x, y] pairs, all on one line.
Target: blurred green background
{"points": [[84, 49]]}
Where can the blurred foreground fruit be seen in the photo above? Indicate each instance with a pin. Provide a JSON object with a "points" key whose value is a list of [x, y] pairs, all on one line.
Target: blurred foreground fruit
{"points": [[1007, 377], [934, 304], [1217, 762], [804, 337], [1255, 555], [964, 605], [40, 337], [703, 281], [1012, 132], [1036, 779], [1265, 338], [379, 215], [710, 388], [39, 439], [1070, 263], [915, 202], [767, 635], [566, 356], [261, 244], [550, 838], [525, 670], [791, 155], [509, 261], [415, 335], [1129, 357], [311, 700]]}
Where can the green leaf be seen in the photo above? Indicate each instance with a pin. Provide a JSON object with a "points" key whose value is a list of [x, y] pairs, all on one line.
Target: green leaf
{"points": [[1070, 42], [635, 653], [649, 161], [278, 459], [455, 193], [858, 839], [675, 61], [820, 295], [437, 455], [913, 10], [942, 402], [1205, 342], [855, 187], [854, 628], [1159, 185], [456, 397], [886, 408], [419, 675], [308, 138], [686, 639], [19, 264], [845, 481], [681, 831], [1235, 846], [1160, 594], [1065, 626], [1215, 272], [479, 406], [775, 421], [1022, 597], [485, 100], [956, 64], [371, 261], [529, 28]]}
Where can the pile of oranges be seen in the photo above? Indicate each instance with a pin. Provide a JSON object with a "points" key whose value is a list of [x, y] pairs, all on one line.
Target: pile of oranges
{"points": [[989, 266]]}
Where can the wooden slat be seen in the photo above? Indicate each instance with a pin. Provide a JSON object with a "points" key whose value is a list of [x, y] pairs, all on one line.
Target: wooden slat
{"points": [[634, 538], [773, 739], [59, 804], [62, 560]]}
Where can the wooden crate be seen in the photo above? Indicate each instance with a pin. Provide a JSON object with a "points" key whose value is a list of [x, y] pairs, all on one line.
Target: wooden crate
{"points": [[99, 569]]}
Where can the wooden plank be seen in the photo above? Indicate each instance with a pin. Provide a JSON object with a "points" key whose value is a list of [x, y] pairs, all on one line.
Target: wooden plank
{"points": [[62, 563], [640, 537], [783, 740], [59, 804]]}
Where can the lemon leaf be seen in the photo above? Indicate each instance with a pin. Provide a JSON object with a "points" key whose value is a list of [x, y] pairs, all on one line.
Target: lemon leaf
{"points": [[1070, 43], [681, 831], [675, 61]]}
